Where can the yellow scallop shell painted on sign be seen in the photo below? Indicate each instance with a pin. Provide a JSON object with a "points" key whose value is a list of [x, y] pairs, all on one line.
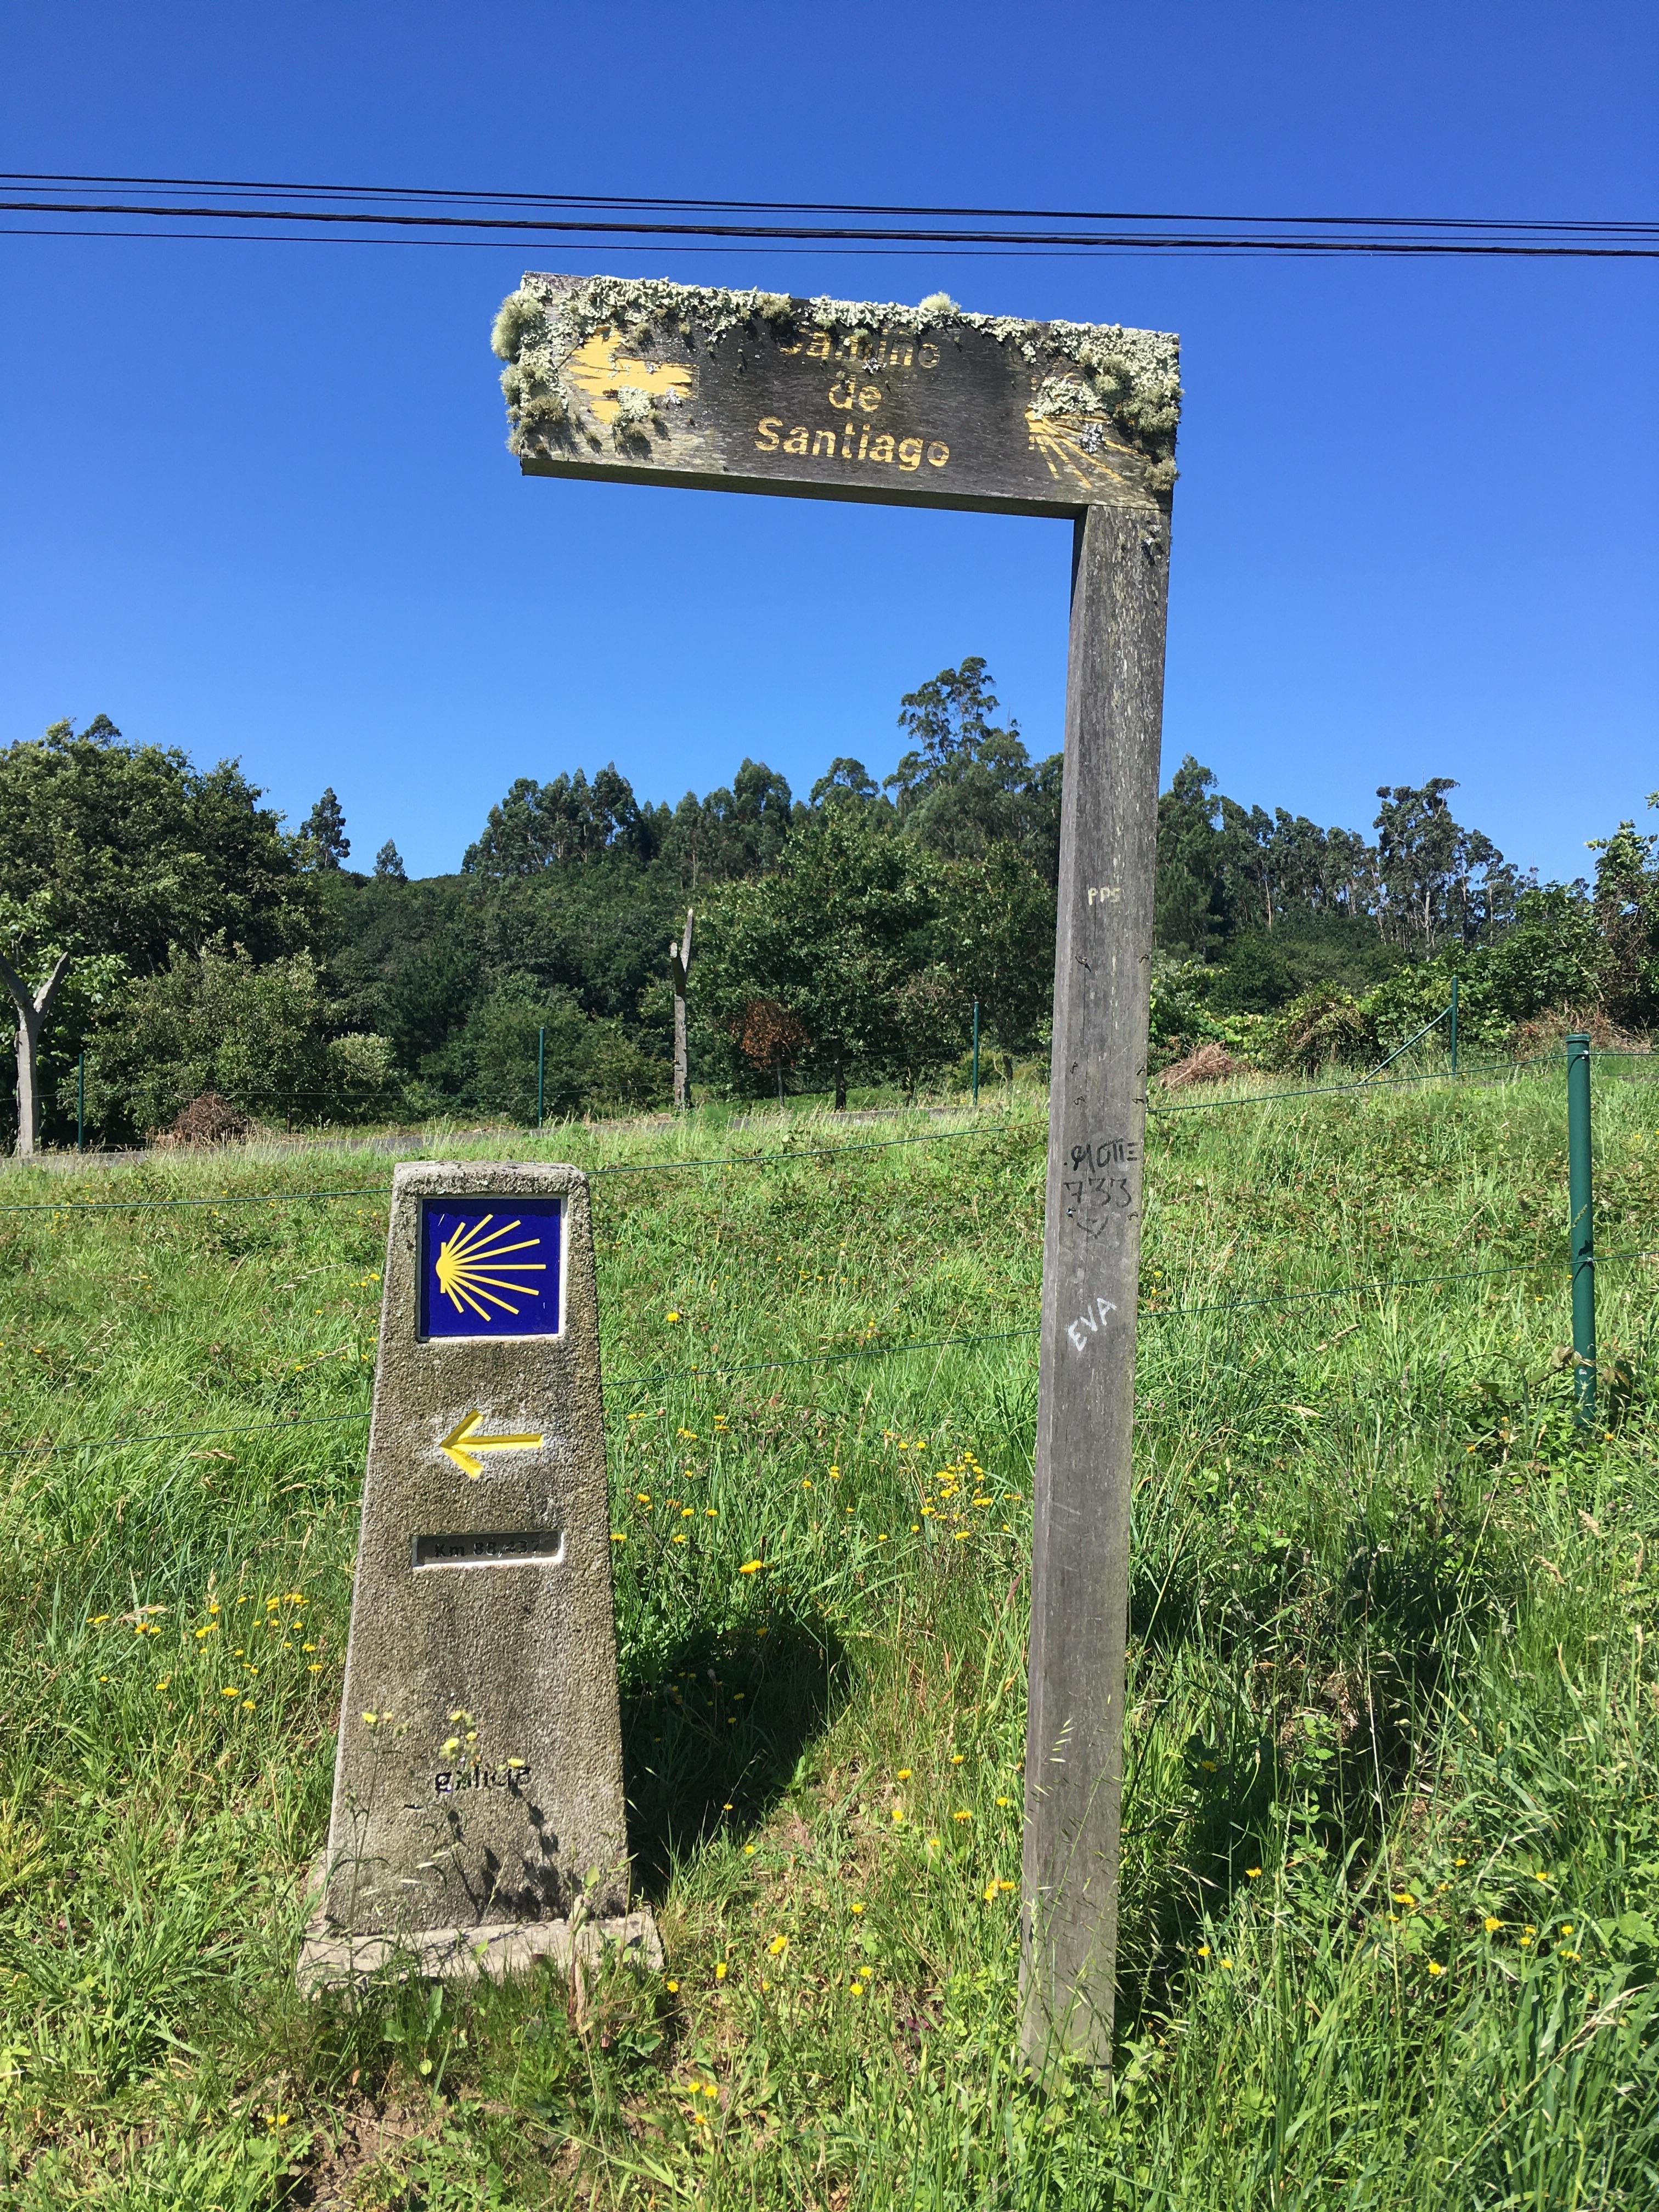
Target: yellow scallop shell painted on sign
{"points": [[601, 372]]}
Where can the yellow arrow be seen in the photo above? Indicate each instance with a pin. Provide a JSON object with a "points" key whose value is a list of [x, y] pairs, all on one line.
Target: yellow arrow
{"points": [[463, 1444]]}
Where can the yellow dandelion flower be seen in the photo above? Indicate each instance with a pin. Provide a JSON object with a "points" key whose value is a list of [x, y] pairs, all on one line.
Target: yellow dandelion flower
{"points": [[962, 1816], [1251, 1873], [1203, 1950], [619, 1536], [719, 1970], [777, 1947], [1492, 1924], [673, 1987], [1435, 1967], [751, 1566], [904, 1774], [956, 1758]]}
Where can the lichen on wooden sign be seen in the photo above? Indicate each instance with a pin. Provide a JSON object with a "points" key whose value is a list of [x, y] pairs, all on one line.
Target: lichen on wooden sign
{"points": [[649, 380]]}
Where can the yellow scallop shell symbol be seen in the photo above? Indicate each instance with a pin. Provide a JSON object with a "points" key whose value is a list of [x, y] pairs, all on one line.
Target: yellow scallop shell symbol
{"points": [[474, 1263]]}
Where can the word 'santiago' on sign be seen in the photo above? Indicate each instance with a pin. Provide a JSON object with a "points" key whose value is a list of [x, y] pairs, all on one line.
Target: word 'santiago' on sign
{"points": [[657, 383]]}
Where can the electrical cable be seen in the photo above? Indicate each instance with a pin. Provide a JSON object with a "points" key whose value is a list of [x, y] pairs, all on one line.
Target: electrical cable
{"points": [[596, 215], [20, 177], [1448, 236]]}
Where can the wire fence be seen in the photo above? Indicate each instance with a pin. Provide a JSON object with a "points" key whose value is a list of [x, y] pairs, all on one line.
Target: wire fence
{"points": [[614, 1167], [1002, 1125], [1151, 1309]]}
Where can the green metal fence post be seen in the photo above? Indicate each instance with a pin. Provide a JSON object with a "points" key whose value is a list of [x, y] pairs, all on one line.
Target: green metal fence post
{"points": [[81, 1102], [1581, 1225], [1453, 1026], [541, 1073], [976, 1052]]}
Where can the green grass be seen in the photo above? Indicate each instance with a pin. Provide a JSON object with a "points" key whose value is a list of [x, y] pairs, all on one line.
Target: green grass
{"points": [[1389, 1687]]}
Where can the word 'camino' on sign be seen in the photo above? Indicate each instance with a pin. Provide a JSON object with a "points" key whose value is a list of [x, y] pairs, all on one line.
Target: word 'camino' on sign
{"points": [[907, 454]]}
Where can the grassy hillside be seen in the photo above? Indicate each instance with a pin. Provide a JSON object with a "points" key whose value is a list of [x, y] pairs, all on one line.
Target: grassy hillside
{"points": [[1392, 1878]]}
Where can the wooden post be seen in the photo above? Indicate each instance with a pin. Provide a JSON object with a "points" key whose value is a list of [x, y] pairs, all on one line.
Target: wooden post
{"points": [[680, 968], [1092, 1251]]}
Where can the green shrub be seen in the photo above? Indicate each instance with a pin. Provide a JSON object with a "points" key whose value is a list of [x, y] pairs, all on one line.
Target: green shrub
{"points": [[216, 1020], [1322, 1026]]}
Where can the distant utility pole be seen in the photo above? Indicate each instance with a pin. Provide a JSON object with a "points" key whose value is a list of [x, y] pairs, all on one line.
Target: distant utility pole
{"points": [[680, 967]]}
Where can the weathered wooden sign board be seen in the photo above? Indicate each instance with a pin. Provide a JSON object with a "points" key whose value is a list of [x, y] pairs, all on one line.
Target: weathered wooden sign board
{"points": [[660, 383], [477, 1819]]}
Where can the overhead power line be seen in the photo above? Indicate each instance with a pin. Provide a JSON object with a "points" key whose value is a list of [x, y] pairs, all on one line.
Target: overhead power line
{"points": [[416, 213]]}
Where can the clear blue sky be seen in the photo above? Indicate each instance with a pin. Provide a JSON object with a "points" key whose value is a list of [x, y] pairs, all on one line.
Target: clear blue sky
{"points": [[257, 499]]}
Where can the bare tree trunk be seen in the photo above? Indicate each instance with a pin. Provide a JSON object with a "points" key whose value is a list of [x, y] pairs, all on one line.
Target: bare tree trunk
{"points": [[32, 1010], [679, 967]]}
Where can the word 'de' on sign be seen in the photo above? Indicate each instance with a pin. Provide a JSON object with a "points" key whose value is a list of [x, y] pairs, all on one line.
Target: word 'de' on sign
{"points": [[477, 1819], [930, 406]]}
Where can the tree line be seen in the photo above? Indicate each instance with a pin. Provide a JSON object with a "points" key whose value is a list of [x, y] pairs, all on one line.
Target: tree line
{"points": [[158, 920]]}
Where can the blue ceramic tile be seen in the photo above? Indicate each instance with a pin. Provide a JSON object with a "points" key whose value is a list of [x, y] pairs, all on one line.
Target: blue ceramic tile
{"points": [[489, 1267]]}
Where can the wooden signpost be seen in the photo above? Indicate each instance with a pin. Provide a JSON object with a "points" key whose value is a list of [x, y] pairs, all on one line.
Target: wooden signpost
{"points": [[660, 383]]}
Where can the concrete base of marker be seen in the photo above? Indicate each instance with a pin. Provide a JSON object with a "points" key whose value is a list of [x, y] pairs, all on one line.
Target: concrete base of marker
{"points": [[331, 1958]]}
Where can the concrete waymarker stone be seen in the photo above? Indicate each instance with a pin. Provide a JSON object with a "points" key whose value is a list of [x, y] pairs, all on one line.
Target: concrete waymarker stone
{"points": [[478, 1817]]}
